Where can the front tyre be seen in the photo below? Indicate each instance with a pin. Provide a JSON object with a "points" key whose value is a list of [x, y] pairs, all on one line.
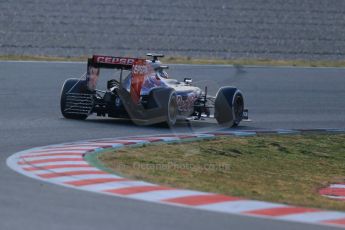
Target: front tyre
{"points": [[229, 106]]}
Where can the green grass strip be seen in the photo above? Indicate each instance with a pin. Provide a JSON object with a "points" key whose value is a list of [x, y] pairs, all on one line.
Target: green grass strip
{"points": [[286, 169], [189, 60]]}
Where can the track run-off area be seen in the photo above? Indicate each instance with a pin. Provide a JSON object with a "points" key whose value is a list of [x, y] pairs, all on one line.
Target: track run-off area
{"points": [[68, 165]]}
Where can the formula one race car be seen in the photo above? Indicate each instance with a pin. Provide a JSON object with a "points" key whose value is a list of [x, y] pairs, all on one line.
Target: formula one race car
{"points": [[146, 95]]}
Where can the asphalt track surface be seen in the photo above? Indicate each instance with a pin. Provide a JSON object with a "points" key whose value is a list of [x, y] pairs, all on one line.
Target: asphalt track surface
{"points": [[275, 29], [30, 117]]}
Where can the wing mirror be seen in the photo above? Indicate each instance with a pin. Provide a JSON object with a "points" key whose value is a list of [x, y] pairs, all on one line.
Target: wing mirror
{"points": [[188, 80]]}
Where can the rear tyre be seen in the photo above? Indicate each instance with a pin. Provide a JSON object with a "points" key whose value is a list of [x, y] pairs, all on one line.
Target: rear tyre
{"points": [[71, 86], [171, 111], [229, 107], [166, 99]]}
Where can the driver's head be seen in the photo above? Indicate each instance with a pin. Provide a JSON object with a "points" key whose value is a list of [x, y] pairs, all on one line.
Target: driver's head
{"points": [[162, 74], [158, 68]]}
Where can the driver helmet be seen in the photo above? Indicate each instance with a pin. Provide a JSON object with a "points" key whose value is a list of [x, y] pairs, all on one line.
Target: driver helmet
{"points": [[161, 73]]}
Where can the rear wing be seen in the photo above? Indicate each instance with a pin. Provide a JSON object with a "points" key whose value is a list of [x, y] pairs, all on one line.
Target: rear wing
{"points": [[110, 62], [97, 62]]}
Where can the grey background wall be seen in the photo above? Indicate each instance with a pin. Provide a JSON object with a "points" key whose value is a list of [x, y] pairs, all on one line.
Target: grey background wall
{"points": [[275, 29]]}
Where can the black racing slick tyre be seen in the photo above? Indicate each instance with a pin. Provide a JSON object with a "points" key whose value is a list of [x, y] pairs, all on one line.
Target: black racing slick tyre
{"points": [[171, 110], [229, 106], [75, 102], [166, 99]]}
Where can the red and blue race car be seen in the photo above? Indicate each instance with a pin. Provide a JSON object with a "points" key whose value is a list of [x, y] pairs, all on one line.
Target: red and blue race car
{"points": [[146, 95]]}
